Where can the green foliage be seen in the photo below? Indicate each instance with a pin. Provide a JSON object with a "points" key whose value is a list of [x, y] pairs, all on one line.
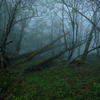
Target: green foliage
{"points": [[7, 82], [78, 59], [73, 10], [57, 82], [97, 89]]}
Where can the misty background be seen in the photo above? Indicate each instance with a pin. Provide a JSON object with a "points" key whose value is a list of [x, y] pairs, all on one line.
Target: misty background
{"points": [[38, 22]]}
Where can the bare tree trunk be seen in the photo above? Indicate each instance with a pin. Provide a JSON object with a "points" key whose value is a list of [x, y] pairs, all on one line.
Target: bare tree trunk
{"points": [[25, 55], [46, 48], [53, 57], [8, 29], [87, 44], [9, 26], [90, 37], [40, 50], [45, 61], [1, 3], [23, 24], [52, 51]]}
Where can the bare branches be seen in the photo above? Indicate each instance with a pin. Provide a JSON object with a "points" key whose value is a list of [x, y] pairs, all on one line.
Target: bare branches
{"points": [[8, 43], [9, 26], [1, 3], [82, 15]]}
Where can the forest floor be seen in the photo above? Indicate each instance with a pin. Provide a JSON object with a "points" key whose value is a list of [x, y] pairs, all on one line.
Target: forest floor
{"points": [[54, 82]]}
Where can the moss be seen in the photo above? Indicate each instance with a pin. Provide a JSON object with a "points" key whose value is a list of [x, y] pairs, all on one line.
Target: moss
{"points": [[77, 62], [78, 59], [4, 64]]}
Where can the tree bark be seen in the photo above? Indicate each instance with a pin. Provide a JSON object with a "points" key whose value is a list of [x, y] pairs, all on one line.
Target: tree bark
{"points": [[25, 55], [21, 56], [36, 67], [31, 54], [23, 25], [87, 44], [39, 51]]}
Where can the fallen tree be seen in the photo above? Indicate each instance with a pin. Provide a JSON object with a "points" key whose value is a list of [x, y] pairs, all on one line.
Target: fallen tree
{"points": [[34, 53], [25, 55], [67, 49], [45, 61]]}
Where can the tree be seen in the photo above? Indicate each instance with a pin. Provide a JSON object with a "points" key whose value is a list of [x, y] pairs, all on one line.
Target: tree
{"points": [[8, 29], [12, 13], [36, 67], [83, 16], [90, 35], [40, 50]]}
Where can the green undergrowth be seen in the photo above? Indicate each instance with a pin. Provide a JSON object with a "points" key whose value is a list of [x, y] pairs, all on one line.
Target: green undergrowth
{"points": [[56, 82]]}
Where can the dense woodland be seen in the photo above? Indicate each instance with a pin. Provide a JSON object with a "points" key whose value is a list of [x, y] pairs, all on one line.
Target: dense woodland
{"points": [[50, 30]]}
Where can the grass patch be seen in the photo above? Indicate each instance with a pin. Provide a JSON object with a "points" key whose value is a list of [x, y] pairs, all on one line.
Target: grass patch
{"points": [[56, 82]]}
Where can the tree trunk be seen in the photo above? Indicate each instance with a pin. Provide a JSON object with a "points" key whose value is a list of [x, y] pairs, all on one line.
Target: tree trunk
{"points": [[34, 53], [45, 61], [87, 44], [29, 53], [23, 25], [25, 55]]}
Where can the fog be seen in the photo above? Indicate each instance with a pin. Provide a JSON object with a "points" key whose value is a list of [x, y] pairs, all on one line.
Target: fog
{"points": [[33, 24]]}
